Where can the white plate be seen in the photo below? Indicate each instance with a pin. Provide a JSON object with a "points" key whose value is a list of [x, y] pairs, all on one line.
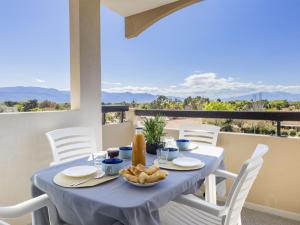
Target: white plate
{"points": [[80, 171], [187, 162], [141, 185]]}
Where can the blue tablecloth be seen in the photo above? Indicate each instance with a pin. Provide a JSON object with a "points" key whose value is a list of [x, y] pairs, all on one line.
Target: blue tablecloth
{"points": [[119, 201]]}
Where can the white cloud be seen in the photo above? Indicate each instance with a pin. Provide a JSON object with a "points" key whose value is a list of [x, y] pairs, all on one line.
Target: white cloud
{"points": [[40, 80], [133, 89], [209, 85], [111, 83]]}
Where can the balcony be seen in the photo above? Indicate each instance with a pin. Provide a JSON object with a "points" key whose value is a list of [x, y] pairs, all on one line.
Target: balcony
{"points": [[275, 192], [25, 149]]}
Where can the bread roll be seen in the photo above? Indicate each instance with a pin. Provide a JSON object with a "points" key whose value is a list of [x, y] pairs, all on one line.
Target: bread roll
{"points": [[157, 176], [143, 177], [140, 168], [131, 178], [152, 169]]}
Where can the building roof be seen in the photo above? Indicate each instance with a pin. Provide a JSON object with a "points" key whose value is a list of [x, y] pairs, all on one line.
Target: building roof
{"points": [[131, 7], [141, 14]]}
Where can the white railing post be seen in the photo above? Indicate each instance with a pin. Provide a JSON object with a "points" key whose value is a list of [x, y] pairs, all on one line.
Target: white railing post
{"points": [[131, 117]]}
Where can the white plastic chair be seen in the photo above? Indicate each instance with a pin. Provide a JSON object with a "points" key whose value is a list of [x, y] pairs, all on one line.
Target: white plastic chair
{"points": [[190, 210], [200, 133], [28, 207], [71, 143], [203, 134]]}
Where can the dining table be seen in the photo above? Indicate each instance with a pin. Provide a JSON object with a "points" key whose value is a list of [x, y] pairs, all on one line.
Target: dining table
{"points": [[118, 202]]}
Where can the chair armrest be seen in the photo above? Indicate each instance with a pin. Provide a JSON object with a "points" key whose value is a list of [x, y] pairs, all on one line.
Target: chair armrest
{"points": [[53, 163], [24, 207], [225, 174], [197, 203]]}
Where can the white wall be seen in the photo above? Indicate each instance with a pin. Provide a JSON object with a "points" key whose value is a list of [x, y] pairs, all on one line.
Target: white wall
{"points": [[24, 150]]}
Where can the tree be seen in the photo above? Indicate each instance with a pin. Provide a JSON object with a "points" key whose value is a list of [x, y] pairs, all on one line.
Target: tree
{"points": [[47, 104], [195, 103], [3, 108], [28, 105], [162, 102], [187, 101], [219, 106], [133, 104], [10, 103], [279, 104]]}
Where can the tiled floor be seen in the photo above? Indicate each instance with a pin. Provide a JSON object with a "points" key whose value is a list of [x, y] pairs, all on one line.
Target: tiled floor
{"points": [[251, 217]]}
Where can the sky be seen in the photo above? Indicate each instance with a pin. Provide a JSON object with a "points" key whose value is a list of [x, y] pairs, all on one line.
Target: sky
{"points": [[214, 48]]}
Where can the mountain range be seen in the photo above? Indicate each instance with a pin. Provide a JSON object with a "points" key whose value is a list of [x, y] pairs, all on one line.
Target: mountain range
{"points": [[21, 93], [267, 96]]}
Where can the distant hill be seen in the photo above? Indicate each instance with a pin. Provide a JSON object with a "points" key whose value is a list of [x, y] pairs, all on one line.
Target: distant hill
{"points": [[108, 97], [268, 96], [27, 93]]}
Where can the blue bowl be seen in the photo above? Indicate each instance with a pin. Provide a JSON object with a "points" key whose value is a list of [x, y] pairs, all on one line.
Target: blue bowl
{"points": [[172, 153], [112, 166], [183, 144], [125, 152]]}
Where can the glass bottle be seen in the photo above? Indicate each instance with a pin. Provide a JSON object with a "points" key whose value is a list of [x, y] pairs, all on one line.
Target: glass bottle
{"points": [[139, 148]]}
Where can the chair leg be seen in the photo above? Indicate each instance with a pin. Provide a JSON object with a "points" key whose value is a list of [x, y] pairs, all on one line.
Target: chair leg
{"points": [[240, 221], [53, 216], [210, 189]]}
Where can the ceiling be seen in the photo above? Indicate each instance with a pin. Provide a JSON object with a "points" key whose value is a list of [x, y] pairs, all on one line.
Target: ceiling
{"points": [[131, 7]]}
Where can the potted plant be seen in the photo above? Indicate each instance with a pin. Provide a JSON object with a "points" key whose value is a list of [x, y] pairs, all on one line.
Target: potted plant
{"points": [[154, 131]]}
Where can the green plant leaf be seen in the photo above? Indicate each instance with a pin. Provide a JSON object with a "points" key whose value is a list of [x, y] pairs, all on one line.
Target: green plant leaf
{"points": [[154, 129]]}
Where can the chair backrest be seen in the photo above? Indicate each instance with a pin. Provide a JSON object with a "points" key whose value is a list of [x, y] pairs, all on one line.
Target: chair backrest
{"points": [[71, 143], [242, 185], [200, 133]]}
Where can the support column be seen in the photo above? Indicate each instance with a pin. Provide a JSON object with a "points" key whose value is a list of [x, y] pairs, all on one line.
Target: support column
{"points": [[85, 62]]}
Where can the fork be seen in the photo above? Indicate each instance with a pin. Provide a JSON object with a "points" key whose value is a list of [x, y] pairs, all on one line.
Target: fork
{"points": [[99, 175]]}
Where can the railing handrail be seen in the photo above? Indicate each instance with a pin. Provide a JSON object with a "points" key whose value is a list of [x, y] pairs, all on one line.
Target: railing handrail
{"points": [[273, 116], [243, 115], [114, 108]]}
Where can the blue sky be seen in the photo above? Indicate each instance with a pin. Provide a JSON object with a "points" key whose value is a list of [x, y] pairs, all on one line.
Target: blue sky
{"points": [[215, 48]]}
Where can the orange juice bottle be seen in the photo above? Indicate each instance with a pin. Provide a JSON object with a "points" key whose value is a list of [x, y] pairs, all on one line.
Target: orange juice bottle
{"points": [[139, 148]]}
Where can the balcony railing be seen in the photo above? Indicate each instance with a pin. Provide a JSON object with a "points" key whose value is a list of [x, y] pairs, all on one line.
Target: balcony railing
{"points": [[278, 117], [114, 108]]}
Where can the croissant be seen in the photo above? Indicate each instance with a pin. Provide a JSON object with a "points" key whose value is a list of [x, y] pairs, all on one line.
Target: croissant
{"points": [[131, 178], [157, 176], [134, 171], [140, 168], [143, 177], [123, 171], [152, 169]]}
